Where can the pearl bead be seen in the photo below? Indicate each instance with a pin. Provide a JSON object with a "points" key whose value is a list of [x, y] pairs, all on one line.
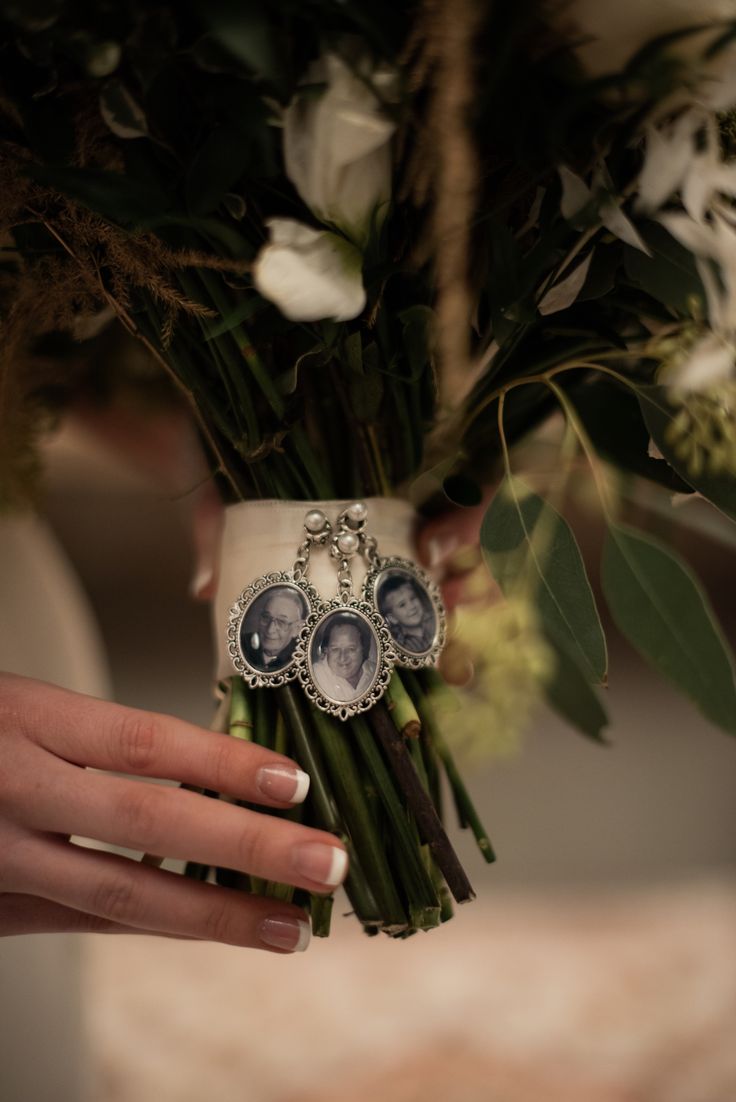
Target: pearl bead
{"points": [[348, 543], [356, 513], [315, 521]]}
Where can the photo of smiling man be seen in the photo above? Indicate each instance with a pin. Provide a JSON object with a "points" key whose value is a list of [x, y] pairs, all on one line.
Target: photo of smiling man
{"points": [[268, 635], [408, 611], [344, 654]]}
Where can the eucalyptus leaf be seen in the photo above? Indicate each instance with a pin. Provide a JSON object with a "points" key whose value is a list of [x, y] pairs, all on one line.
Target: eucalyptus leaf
{"points": [[662, 610], [614, 421], [122, 113], [669, 274], [529, 547], [720, 489], [563, 294], [244, 30], [571, 695]]}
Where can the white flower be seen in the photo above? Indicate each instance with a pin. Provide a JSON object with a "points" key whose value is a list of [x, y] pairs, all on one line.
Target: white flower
{"points": [[684, 154], [712, 358], [309, 274], [337, 144], [610, 33]]}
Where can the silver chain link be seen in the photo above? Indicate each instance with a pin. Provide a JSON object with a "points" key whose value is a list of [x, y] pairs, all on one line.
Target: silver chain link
{"points": [[369, 550], [301, 562], [344, 579]]}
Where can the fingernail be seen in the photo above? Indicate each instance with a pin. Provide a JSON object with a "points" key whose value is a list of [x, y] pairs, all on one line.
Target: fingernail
{"points": [[283, 782], [321, 863], [285, 933], [201, 582], [440, 547]]}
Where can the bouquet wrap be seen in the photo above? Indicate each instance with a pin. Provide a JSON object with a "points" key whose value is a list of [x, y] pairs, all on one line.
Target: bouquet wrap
{"points": [[260, 536]]}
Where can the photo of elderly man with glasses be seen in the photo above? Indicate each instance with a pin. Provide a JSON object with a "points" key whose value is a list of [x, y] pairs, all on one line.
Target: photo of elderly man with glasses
{"points": [[270, 628]]}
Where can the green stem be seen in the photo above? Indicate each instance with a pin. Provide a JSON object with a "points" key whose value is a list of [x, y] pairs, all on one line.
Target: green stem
{"points": [[346, 781], [421, 896], [422, 693], [322, 800]]}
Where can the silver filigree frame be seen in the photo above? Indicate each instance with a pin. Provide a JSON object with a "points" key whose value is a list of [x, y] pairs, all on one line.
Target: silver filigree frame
{"points": [[253, 677], [405, 658], [385, 657]]}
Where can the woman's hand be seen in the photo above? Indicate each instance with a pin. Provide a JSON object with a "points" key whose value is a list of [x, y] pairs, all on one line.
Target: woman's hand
{"points": [[450, 545], [49, 735]]}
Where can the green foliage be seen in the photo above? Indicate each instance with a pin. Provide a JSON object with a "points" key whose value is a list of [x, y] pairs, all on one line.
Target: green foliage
{"points": [[661, 609], [572, 696], [532, 552], [659, 414], [669, 274]]}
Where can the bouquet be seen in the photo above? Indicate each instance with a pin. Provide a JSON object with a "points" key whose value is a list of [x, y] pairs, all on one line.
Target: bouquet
{"points": [[377, 250]]}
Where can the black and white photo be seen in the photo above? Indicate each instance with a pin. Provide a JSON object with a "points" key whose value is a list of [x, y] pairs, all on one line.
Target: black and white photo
{"points": [[408, 610], [270, 627], [344, 656]]}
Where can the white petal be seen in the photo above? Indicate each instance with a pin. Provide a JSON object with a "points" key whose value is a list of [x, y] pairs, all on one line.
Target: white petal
{"points": [[309, 274], [695, 236], [337, 146], [564, 293], [710, 361], [575, 193], [665, 164]]}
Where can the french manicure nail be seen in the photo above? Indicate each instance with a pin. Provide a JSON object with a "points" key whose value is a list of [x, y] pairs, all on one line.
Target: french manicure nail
{"points": [[200, 582], [285, 933], [321, 863], [283, 782]]}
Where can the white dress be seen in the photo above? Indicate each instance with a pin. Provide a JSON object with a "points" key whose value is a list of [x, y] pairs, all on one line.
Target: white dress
{"points": [[47, 631]]}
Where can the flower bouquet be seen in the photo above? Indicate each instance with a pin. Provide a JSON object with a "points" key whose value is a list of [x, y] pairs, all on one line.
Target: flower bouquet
{"points": [[377, 249]]}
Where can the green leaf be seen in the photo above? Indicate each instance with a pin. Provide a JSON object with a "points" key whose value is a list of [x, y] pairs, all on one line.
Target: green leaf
{"points": [[366, 393], [124, 116], [661, 609], [220, 162], [244, 30], [574, 698], [527, 543], [119, 198], [614, 422], [353, 352], [244, 311], [669, 274], [289, 380], [720, 489]]}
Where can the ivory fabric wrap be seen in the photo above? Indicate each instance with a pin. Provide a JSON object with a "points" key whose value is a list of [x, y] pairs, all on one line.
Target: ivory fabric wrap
{"points": [[261, 536]]}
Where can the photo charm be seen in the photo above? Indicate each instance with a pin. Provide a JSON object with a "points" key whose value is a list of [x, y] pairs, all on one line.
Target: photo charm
{"points": [[264, 625], [345, 657], [410, 603]]}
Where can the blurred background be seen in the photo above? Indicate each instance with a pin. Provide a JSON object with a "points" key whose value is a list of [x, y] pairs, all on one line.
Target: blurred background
{"points": [[598, 962]]}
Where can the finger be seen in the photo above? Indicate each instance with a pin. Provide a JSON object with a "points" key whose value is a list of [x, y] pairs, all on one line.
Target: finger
{"points": [[27, 914], [183, 825], [208, 521], [128, 894], [106, 736]]}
